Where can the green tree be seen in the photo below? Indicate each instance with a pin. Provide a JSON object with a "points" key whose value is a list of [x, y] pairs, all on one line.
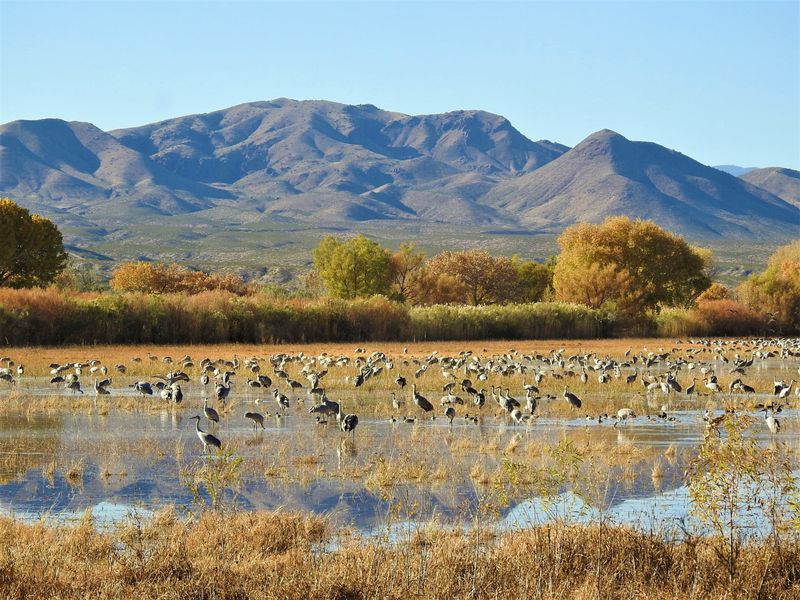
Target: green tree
{"points": [[354, 267], [534, 280], [658, 268], [31, 247]]}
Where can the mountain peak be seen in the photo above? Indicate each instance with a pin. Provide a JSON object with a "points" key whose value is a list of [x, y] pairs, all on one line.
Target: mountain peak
{"points": [[334, 164], [605, 134], [783, 183]]}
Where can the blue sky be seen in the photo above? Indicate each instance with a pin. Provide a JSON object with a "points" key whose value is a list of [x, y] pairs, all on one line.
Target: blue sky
{"points": [[717, 80]]}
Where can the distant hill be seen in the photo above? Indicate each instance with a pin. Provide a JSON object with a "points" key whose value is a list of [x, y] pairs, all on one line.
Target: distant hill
{"points": [[783, 183], [78, 168], [607, 174], [338, 163], [734, 170], [319, 164]]}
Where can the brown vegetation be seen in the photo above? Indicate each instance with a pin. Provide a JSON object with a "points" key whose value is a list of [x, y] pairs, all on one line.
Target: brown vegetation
{"points": [[288, 556], [160, 278]]}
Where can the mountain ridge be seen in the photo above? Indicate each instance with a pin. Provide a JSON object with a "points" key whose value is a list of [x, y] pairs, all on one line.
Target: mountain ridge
{"points": [[333, 164]]}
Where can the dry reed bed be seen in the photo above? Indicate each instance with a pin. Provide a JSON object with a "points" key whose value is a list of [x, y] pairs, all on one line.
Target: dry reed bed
{"points": [[290, 556]]}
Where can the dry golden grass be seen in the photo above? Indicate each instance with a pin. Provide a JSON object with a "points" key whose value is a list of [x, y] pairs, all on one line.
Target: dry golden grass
{"points": [[289, 556]]}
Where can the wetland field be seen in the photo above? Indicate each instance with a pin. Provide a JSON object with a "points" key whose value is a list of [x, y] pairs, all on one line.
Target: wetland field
{"points": [[545, 469]]}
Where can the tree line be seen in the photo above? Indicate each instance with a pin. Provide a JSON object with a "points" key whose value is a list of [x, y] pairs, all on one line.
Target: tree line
{"points": [[631, 270], [628, 266]]}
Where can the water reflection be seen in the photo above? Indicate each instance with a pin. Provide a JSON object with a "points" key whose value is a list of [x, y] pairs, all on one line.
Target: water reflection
{"points": [[59, 462]]}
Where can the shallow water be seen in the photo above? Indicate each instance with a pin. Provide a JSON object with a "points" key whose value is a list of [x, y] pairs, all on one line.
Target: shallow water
{"points": [[57, 462]]}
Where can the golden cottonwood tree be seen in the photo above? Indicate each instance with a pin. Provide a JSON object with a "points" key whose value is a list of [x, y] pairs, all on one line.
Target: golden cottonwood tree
{"points": [[635, 265], [776, 291], [483, 277], [160, 278], [405, 263]]}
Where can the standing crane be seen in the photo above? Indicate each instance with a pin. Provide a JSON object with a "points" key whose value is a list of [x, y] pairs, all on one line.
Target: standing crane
{"points": [[773, 424], [256, 418], [347, 423], [450, 413], [420, 400], [205, 437], [210, 413], [572, 398]]}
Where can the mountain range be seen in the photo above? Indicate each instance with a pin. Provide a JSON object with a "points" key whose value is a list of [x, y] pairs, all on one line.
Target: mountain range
{"points": [[324, 164]]}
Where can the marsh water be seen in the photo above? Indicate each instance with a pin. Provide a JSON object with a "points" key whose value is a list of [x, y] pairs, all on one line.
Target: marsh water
{"points": [[57, 462]]}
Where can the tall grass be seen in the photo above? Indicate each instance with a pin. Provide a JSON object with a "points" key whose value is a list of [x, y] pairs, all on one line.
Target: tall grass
{"points": [[712, 317], [288, 556], [39, 317], [55, 317], [544, 320]]}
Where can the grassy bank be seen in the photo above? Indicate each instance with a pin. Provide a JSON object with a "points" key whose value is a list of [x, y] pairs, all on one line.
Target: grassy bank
{"points": [[53, 317], [268, 555], [42, 317]]}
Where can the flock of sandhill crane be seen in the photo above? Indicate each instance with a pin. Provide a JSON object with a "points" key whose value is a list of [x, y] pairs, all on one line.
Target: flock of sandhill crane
{"points": [[465, 373]]}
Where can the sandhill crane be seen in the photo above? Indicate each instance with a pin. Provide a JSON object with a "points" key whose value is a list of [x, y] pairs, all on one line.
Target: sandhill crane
{"points": [[468, 389], [480, 399], [572, 398], [673, 383], [221, 391], [530, 388], [772, 423], [517, 416], [420, 400], [204, 379], [256, 418], [713, 423], [205, 437], [143, 388], [531, 402], [99, 389], [691, 388], [75, 386], [328, 402], [401, 381], [210, 413], [281, 399], [322, 409], [450, 413], [711, 385], [177, 393], [173, 377], [623, 414], [347, 423], [785, 391], [507, 402]]}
